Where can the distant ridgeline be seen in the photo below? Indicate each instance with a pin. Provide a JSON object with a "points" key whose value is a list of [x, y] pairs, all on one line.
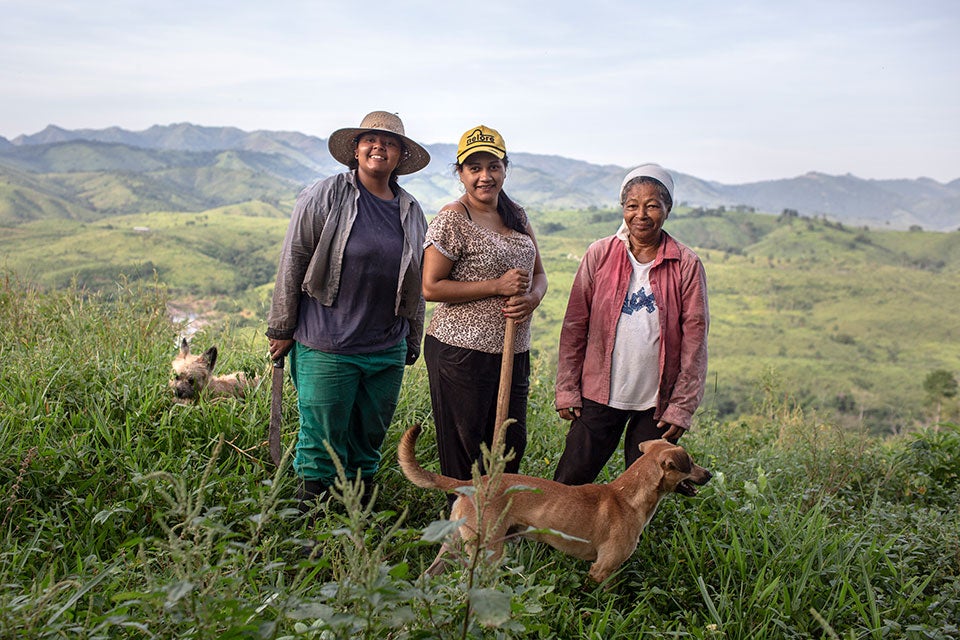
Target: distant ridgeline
{"points": [[88, 174]]}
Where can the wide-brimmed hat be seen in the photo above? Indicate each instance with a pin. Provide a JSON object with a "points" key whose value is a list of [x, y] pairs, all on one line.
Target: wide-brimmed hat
{"points": [[342, 142], [650, 170], [480, 138]]}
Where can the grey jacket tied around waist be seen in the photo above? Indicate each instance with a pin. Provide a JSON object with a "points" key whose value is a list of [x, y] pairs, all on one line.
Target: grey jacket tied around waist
{"points": [[312, 255]]}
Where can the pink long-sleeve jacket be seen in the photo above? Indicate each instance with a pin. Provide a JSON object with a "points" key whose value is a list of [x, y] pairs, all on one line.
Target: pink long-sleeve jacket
{"points": [[589, 328]]}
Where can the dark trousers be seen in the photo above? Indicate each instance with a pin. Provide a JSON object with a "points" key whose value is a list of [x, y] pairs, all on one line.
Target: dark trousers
{"points": [[464, 384], [594, 436]]}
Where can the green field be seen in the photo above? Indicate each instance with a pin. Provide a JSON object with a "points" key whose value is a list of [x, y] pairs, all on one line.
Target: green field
{"points": [[125, 515], [832, 512]]}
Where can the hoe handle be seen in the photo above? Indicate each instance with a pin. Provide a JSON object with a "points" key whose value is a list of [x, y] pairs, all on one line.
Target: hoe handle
{"points": [[506, 378]]}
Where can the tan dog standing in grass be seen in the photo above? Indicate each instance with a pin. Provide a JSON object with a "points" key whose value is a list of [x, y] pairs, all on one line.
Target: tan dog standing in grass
{"points": [[601, 523], [193, 375]]}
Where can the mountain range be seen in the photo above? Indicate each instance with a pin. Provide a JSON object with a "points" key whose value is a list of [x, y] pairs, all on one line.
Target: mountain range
{"points": [[87, 174]]}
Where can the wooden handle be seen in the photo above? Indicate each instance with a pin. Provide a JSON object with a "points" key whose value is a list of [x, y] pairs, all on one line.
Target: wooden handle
{"points": [[506, 377]]}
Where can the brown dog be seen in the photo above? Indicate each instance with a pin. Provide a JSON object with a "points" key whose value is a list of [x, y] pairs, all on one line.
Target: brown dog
{"points": [[599, 522], [193, 375]]}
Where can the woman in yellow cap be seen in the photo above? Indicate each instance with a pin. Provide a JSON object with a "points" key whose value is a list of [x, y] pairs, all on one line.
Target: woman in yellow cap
{"points": [[481, 265]]}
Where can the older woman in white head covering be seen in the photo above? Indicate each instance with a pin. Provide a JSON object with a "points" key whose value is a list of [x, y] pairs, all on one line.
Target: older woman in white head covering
{"points": [[633, 347]]}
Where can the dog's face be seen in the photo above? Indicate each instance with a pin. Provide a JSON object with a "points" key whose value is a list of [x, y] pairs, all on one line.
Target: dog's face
{"points": [[680, 473], [191, 373]]}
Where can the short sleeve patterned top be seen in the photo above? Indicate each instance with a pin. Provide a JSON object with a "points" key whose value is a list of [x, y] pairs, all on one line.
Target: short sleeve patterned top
{"points": [[478, 254]]}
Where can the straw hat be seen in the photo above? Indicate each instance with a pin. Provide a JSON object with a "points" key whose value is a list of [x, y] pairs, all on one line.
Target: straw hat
{"points": [[342, 142]]}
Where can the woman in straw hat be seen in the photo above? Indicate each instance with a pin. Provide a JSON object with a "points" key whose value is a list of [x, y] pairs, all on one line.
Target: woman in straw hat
{"points": [[482, 265], [633, 346], [347, 304]]}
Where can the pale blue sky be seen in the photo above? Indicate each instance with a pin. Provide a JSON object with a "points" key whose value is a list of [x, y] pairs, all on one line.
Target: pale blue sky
{"points": [[728, 91]]}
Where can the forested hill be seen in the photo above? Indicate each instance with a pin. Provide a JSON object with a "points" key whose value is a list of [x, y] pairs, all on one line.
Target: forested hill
{"points": [[89, 174]]}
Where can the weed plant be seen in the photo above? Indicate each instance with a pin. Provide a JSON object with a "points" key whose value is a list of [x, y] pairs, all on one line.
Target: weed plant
{"points": [[125, 515]]}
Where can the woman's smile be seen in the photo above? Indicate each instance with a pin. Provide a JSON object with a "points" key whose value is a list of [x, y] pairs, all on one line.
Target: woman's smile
{"points": [[482, 175]]}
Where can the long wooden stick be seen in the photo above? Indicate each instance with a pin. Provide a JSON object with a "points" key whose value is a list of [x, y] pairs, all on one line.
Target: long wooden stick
{"points": [[506, 378]]}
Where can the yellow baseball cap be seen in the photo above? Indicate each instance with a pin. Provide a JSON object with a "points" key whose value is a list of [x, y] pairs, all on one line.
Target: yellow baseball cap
{"points": [[481, 138]]}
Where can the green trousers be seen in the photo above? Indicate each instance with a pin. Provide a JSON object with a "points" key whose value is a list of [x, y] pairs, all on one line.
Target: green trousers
{"points": [[348, 401]]}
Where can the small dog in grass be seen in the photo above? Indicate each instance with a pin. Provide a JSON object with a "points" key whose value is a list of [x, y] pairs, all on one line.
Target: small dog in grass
{"points": [[193, 376], [600, 523]]}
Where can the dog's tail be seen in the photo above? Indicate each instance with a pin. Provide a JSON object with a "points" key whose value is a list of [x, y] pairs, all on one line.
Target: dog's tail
{"points": [[419, 476]]}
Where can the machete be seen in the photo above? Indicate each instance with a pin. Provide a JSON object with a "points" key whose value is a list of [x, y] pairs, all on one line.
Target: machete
{"points": [[276, 406]]}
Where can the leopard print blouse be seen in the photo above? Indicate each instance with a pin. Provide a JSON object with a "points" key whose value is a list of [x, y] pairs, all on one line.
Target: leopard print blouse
{"points": [[478, 254]]}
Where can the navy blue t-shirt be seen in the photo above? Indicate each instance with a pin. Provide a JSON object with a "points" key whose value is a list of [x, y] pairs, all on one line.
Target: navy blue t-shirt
{"points": [[362, 319]]}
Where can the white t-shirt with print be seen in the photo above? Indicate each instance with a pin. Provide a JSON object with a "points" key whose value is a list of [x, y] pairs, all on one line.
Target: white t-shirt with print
{"points": [[634, 375]]}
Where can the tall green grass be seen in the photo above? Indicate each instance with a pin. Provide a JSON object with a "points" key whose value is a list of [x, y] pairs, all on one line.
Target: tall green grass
{"points": [[127, 515]]}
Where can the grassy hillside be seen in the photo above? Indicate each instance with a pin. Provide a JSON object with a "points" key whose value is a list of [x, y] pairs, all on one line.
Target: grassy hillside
{"points": [[845, 321], [219, 252], [25, 197], [125, 515], [85, 180]]}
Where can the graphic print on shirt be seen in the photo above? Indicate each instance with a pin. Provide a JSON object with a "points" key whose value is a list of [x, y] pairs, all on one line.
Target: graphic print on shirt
{"points": [[637, 301]]}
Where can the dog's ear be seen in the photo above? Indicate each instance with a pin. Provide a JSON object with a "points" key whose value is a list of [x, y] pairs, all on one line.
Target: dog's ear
{"points": [[677, 459], [184, 348], [210, 355]]}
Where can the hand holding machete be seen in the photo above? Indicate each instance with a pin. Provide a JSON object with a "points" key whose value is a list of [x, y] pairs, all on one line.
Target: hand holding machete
{"points": [[278, 350]]}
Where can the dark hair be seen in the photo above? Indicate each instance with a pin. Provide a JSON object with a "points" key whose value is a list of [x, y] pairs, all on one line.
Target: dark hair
{"points": [[664, 192], [510, 212]]}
